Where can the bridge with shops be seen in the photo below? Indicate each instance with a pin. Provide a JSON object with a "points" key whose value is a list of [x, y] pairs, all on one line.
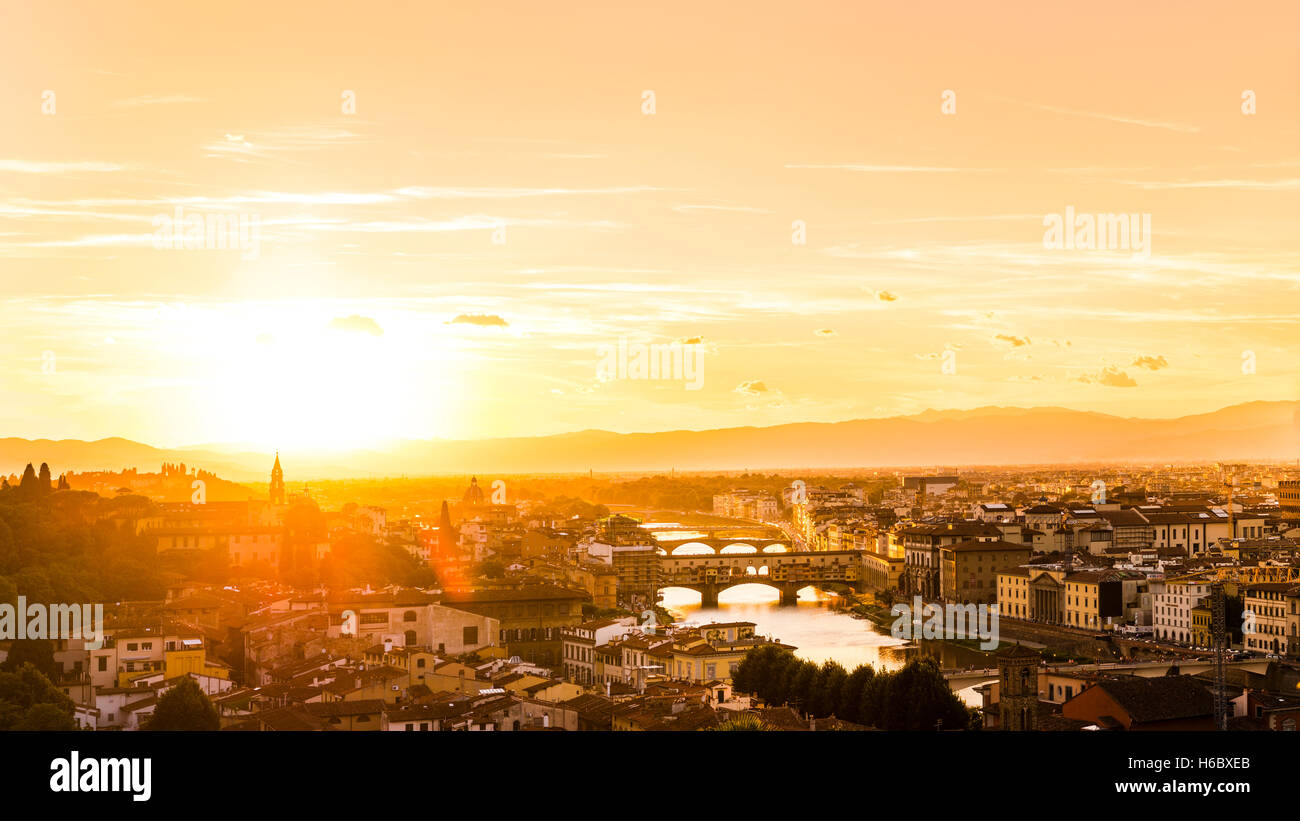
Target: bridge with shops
{"points": [[709, 575], [730, 544]]}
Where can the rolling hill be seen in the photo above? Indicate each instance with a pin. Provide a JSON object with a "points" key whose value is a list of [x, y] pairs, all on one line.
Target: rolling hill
{"points": [[983, 436]]}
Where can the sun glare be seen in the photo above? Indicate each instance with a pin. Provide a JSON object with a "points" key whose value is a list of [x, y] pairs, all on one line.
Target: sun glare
{"points": [[321, 385]]}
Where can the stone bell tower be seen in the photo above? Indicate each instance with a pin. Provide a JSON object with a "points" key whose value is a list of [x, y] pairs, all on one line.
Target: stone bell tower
{"points": [[277, 482], [1018, 688]]}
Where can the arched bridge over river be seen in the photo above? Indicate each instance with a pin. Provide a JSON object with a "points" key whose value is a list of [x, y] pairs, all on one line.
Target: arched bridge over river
{"points": [[787, 572]]}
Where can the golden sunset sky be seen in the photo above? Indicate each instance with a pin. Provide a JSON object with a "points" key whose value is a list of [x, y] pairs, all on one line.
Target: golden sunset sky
{"points": [[924, 229]]}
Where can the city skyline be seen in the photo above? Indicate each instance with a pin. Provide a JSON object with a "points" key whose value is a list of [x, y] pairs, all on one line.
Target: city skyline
{"points": [[924, 371], [446, 222]]}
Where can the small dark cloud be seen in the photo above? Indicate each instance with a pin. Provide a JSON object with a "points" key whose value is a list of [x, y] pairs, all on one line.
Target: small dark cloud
{"points": [[1013, 341], [1151, 363], [753, 387], [357, 324], [1110, 376], [824, 332], [692, 340], [485, 320]]}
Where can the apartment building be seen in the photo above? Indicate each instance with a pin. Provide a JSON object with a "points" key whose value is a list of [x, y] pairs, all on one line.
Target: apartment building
{"points": [[411, 618], [1102, 599], [529, 618], [1293, 623], [1172, 601], [1190, 532], [1266, 605], [922, 565], [129, 653], [969, 570], [580, 643], [745, 504]]}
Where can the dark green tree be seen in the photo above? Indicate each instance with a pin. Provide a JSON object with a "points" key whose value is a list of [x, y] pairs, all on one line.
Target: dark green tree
{"points": [[43, 718], [919, 698], [37, 652], [756, 672], [825, 699], [850, 703], [184, 707], [871, 702], [28, 483], [29, 701], [804, 687]]}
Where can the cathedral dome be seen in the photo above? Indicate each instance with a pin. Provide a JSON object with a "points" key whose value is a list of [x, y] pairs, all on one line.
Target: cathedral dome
{"points": [[474, 494]]}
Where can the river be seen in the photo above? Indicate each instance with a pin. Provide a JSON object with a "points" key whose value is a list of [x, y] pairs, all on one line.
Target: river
{"points": [[818, 630], [815, 627]]}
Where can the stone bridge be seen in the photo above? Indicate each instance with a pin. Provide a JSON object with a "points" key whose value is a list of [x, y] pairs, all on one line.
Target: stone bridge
{"points": [[760, 544], [787, 572]]}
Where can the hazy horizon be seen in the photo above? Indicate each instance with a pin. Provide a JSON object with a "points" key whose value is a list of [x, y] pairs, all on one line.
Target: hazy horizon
{"points": [[1256, 431], [236, 447]]}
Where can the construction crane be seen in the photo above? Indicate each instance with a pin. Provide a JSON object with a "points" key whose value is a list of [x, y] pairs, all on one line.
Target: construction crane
{"points": [[1219, 640]]}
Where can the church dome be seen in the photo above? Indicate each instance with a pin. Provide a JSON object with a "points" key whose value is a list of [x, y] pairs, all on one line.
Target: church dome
{"points": [[474, 494]]}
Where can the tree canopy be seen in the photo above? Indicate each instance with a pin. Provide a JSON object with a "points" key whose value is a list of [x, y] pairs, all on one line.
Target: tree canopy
{"points": [[30, 701], [916, 697], [184, 707]]}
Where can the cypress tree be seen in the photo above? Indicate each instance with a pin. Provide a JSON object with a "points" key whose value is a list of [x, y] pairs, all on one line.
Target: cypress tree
{"points": [[28, 484]]}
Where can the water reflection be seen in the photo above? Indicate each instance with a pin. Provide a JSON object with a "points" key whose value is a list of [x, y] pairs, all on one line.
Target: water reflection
{"points": [[814, 626], [820, 631]]}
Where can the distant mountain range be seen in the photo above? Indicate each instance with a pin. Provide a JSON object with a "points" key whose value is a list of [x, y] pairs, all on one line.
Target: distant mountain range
{"points": [[982, 436]]}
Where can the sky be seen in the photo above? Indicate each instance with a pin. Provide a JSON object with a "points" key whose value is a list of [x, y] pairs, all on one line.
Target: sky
{"points": [[453, 213]]}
